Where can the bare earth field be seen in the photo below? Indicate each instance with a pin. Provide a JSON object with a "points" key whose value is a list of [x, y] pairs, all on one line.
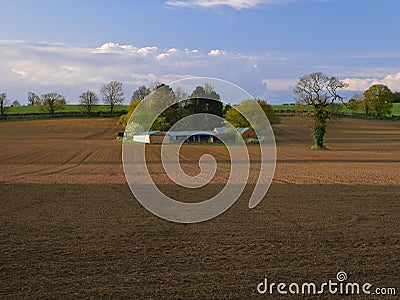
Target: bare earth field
{"points": [[71, 228]]}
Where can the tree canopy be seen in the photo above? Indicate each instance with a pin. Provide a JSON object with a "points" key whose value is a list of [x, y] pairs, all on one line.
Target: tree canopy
{"points": [[378, 100], [124, 119], [203, 99], [234, 117]]}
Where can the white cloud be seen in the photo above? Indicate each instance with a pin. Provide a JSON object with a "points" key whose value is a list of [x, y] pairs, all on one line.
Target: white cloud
{"points": [[216, 52], [43, 67], [147, 50], [279, 84], [128, 49], [193, 51], [361, 84], [162, 55], [21, 73], [236, 4], [70, 68]]}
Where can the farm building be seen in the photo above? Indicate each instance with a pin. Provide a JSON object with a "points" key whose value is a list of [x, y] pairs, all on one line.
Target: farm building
{"points": [[191, 136], [173, 137], [158, 137], [150, 137], [248, 134]]}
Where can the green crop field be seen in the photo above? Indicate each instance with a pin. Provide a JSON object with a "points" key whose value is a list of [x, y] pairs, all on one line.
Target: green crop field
{"points": [[66, 108], [395, 110], [106, 108]]}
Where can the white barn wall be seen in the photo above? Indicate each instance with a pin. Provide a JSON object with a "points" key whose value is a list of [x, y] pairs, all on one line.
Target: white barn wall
{"points": [[142, 138]]}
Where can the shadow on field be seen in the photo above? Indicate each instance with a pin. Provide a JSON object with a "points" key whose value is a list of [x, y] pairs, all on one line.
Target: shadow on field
{"points": [[91, 240]]}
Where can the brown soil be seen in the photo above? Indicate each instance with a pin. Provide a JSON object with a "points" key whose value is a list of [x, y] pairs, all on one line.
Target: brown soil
{"points": [[71, 228]]}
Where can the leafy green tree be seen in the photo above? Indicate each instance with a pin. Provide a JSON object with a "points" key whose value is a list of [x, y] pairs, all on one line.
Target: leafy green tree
{"points": [[320, 92], [355, 103], [113, 94], [204, 99], [161, 124], [124, 119], [164, 96], [88, 99], [226, 109], [378, 100], [3, 103], [238, 120], [52, 102], [234, 117]]}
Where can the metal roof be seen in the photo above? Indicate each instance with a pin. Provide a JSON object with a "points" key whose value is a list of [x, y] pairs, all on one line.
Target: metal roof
{"points": [[190, 133], [242, 130]]}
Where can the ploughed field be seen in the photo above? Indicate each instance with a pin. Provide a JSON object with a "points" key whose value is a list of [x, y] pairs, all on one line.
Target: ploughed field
{"points": [[70, 226]]}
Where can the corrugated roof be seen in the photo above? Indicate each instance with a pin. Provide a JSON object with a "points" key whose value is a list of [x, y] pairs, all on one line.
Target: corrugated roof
{"points": [[149, 132], [242, 130], [189, 133]]}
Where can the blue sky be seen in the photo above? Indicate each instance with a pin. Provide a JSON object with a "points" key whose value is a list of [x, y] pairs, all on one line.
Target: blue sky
{"points": [[261, 45]]}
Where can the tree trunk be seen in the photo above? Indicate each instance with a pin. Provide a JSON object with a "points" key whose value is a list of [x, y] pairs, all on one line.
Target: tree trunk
{"points": [[319, 129]]}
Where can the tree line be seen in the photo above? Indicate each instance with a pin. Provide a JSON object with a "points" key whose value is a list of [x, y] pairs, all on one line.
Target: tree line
{"points": [[317, 90], [112, 94], [203, 99], [376, 101]]}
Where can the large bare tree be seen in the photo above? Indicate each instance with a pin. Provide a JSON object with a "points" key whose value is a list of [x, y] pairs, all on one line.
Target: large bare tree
{"points": [[113, 94], [88, 99], [320, 92]]}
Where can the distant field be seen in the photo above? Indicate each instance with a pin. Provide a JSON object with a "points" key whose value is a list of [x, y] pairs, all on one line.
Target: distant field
{"points": [[395, 110], [106, 108], [67, 108]]}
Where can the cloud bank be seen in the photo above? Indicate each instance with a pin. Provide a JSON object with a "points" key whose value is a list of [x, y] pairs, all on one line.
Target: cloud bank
{"points": [[41, 67], [45, 67], [361, 84], [235, 4]]}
